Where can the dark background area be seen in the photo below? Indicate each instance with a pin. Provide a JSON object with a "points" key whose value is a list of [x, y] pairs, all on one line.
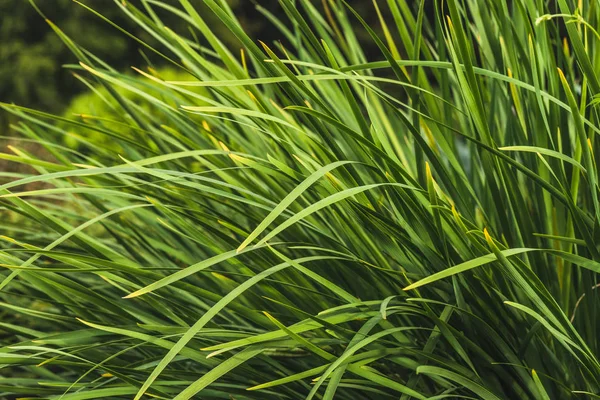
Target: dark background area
{"points": [[32, 55]]}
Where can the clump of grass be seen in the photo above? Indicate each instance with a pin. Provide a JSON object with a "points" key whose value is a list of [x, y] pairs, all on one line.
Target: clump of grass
{"points": [[313, 224]]}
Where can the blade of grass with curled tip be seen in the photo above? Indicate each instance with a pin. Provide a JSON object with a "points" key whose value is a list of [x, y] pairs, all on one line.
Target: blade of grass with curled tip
{"points": [[326, 202], [289, 199]]}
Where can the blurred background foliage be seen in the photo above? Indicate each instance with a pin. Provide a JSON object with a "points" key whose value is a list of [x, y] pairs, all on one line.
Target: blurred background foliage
{"points": [[32, 55], [99, 107]]}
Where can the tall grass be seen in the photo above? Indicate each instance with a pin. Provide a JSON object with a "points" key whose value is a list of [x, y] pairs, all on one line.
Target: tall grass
{"points": [[298, 221]]}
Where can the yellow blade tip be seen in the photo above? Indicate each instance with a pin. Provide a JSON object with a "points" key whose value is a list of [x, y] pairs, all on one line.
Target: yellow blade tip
{"points": [[487, 235]]}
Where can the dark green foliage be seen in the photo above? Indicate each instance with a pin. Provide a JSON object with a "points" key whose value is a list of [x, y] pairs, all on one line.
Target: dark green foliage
{"points": [[32, 54]]}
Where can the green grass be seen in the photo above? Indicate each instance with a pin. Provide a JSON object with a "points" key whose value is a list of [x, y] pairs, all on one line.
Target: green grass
{"points": [[298, 221]]}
